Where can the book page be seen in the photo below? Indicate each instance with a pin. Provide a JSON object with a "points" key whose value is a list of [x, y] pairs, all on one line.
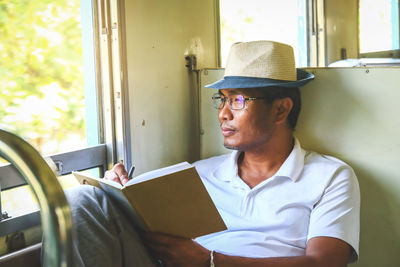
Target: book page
{"points": [[158, 173], [86, 179]]}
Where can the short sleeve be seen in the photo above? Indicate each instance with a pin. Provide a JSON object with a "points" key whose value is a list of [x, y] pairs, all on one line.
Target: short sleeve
{"points": [[337, 213]]}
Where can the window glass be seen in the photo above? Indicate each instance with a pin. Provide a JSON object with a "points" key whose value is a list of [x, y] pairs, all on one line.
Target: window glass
{"points": [[41, 73], [42, 95], [18, 201], [379, 25], [283, 21]]}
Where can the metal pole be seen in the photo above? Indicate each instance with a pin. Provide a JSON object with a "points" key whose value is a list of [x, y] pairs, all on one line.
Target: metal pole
{"points": [[55, 213]]}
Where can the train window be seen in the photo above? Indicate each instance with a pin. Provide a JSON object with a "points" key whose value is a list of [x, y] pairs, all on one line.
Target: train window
{"points": [[41, 81], [379, 25], [41, 77], [49, 95], [61, 83], [282, 21]]}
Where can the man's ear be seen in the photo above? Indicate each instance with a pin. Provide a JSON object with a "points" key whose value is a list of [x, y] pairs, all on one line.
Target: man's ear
{"points": [[282, 108]]}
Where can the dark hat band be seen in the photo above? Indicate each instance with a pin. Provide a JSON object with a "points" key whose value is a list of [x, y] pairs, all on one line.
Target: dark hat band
{"points": [[237, 82]]}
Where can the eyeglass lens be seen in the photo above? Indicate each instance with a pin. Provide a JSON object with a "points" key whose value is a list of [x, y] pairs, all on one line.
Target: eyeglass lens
{"points": [[234, 101]]}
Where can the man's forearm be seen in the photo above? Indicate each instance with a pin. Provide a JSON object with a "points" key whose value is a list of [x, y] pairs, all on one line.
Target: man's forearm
{"points": [[320, 252], [178, 251], [221, 260]]}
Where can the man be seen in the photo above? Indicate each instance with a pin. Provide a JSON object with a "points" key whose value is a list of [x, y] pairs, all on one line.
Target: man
{"points": [[283, 206]]}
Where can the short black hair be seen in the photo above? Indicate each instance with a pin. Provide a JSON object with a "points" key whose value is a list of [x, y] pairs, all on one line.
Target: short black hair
{"points": [[273, 93]]}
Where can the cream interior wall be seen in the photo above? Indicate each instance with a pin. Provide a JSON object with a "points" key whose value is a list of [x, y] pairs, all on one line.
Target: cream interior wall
{"points": [[162, 95], [341, 26], [211, 139], [352, 114]]}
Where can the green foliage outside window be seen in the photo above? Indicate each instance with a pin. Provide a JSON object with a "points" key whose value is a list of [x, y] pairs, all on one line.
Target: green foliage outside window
{"points": [[41, 73]]}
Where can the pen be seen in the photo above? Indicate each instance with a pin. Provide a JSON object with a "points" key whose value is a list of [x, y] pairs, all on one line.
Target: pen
{"points": [[130, 173]]}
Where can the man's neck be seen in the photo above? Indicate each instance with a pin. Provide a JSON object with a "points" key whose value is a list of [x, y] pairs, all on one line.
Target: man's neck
{"points": [[258, 164]]}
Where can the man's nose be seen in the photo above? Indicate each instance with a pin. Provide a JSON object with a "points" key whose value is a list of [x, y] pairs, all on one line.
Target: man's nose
{"points": [[225, 113]]}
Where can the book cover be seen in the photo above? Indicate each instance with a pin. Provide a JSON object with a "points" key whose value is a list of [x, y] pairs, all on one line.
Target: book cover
{"points": [[170, 200]]}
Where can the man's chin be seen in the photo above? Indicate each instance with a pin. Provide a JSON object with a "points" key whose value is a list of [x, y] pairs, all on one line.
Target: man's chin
{"points": [[231, 147]]}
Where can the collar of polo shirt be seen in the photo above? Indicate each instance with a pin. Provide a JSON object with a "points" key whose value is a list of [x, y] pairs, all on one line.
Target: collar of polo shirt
{"points": [[291, 167]]}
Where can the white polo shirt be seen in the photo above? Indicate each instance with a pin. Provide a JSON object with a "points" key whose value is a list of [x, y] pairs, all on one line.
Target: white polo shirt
{"points": [[310, 195]]}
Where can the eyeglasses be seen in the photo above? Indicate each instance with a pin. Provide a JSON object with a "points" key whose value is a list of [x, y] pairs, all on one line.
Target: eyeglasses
{"points": [[235, 102]]}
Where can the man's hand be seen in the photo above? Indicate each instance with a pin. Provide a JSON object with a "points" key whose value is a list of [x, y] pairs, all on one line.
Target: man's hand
{"points": [[118, 174], [176, 251]]}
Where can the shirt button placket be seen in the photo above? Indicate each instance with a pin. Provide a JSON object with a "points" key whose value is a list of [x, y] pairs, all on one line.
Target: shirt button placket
{"points": [[245, 203], [248, 203]]}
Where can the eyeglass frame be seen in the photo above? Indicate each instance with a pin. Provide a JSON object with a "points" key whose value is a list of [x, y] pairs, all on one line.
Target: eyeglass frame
{"points": [[218, 95]]}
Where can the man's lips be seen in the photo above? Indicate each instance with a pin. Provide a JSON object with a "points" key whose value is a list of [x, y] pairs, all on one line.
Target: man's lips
{"points": [[228, 131]]}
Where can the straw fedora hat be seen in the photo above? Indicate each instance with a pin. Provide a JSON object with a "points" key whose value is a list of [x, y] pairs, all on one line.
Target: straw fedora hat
{"points": [[261, 64]]}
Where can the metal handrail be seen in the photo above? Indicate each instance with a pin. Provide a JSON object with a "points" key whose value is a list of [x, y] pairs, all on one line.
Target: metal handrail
{"points": [[55, 213]]}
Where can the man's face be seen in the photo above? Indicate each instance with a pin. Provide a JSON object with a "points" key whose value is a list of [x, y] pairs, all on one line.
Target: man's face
{"points": [[249, 127]]}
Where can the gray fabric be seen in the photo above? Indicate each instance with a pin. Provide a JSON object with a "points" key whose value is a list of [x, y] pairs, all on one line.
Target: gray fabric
{"points": [[103, 237]]}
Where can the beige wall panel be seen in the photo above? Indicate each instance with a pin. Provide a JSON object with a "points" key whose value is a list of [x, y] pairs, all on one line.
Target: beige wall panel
{"points": [[162, 95], [341, 17], [211, 139], [352, 114]]}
